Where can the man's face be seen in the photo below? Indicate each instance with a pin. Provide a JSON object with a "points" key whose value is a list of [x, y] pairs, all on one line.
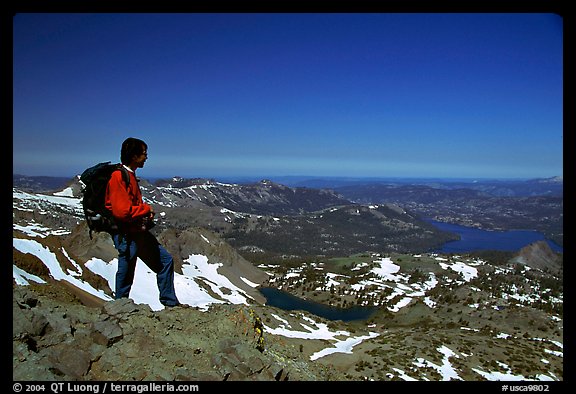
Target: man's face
{"points": [[139, 160]]}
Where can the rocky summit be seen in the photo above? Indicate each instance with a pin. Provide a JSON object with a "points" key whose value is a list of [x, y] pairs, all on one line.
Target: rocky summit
{"points": [[56, 338]]}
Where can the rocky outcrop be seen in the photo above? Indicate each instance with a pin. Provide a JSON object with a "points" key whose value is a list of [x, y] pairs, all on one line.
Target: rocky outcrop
{"points": [[539, 255], [57, 339]]}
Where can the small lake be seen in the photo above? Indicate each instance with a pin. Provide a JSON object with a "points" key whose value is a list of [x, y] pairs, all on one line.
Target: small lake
{"points": [[475, 239], [289, 302]]}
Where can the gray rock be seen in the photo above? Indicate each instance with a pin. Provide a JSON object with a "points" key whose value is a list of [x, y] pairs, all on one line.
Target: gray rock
{"points": [[70, 361], [123, 306], [106, 332]]}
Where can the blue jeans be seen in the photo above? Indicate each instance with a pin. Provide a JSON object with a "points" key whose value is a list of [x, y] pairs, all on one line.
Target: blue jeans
{"points": [[154, 255]]}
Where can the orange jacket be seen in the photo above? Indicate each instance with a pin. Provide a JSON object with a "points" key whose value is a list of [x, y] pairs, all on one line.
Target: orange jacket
{"points": [[125, 202]]}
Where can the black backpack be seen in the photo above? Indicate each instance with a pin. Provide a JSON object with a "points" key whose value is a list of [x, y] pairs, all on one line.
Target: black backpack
{"points": [[95, 180]]}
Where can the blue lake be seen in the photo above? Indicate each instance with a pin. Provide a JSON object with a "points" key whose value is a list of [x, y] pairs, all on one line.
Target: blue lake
{"points": [[475, 239], [283, 300]]}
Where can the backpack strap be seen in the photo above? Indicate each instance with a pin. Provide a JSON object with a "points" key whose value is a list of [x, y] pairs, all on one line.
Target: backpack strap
{"points": [[125, 175]]}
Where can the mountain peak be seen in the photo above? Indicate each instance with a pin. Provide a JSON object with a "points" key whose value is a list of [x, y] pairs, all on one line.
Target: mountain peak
{"points": [[539, 255]]}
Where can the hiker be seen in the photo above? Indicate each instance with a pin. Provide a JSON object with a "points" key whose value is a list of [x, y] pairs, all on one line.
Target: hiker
{"points": [[135, 218]]}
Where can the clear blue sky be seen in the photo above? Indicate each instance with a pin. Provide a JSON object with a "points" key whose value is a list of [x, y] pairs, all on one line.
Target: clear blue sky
{"points": [[328, 94]]}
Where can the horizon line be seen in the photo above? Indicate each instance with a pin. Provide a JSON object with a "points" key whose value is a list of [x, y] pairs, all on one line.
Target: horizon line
{"points": [[318, 177]]}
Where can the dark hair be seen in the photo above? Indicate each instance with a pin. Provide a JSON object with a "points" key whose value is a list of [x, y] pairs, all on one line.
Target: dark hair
{"points": [[131, 147]]}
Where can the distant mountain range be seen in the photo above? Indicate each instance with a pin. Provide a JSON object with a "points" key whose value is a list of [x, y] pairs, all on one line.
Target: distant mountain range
{"points": [[263, 198], [39, 183], [553, 186], [233, 210]]}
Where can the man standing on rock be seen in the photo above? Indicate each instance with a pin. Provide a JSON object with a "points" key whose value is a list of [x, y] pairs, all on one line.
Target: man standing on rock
{"points": [[134, 219]]}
